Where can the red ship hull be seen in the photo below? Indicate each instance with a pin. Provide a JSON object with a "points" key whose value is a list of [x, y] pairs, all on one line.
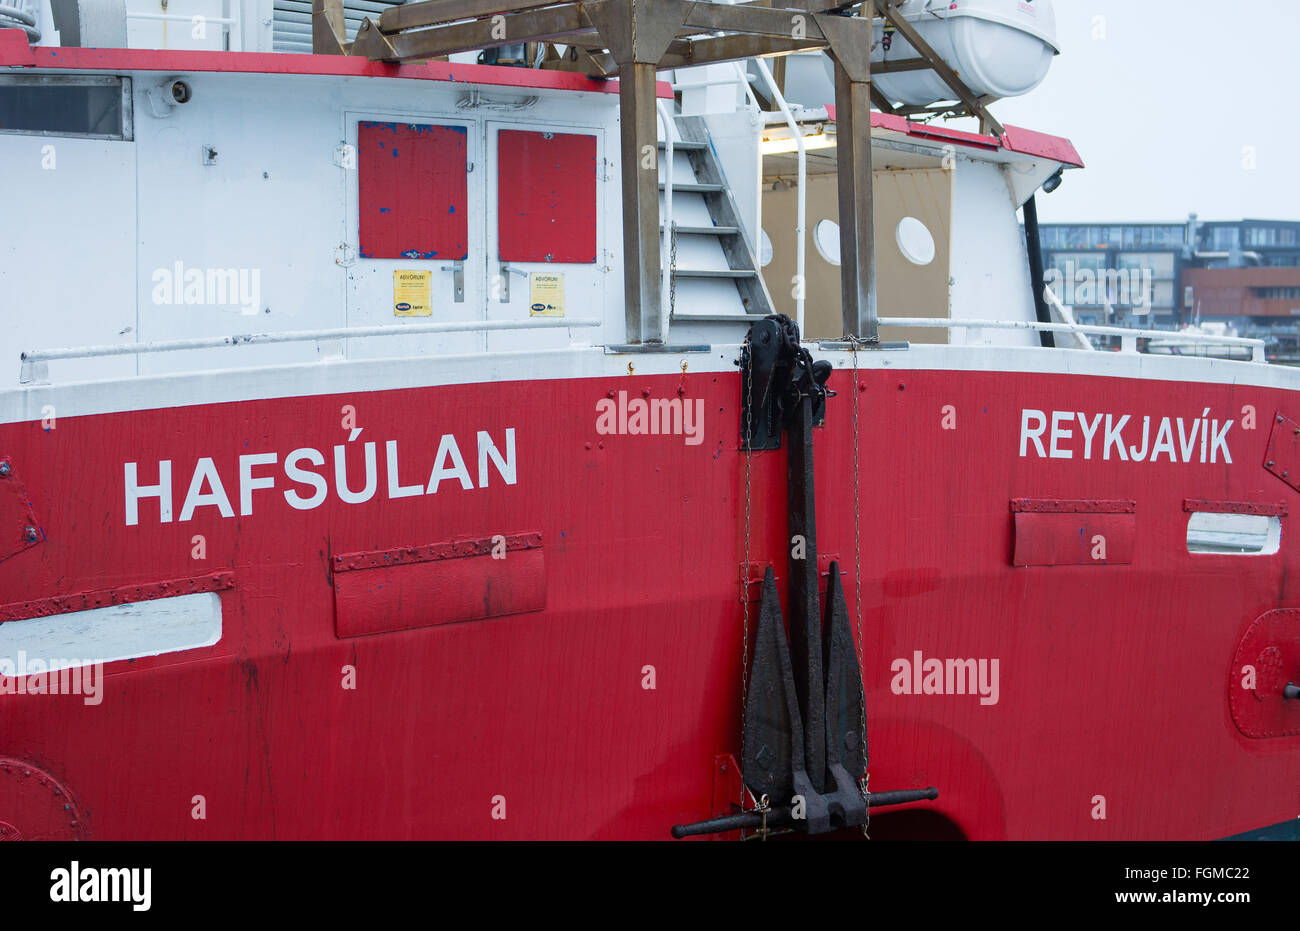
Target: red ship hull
{"points": [[601, 713]]}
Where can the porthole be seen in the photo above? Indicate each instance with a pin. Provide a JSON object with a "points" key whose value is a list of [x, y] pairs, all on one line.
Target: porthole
{"points": [[826, 237], [914, 241]]}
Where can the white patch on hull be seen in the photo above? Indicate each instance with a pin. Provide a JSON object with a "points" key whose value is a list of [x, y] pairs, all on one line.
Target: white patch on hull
{"points": [[112, 633]]}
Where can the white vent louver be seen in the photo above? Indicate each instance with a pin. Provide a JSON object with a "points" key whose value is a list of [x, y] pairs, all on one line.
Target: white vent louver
{"points": [[292, 21]]}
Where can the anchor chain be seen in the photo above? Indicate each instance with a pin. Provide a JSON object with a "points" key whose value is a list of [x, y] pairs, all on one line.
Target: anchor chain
{"points": [[672, 270], [865, 782], [748, 379]]}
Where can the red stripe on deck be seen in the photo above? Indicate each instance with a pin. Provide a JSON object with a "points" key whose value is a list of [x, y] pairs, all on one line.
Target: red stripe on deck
{"points": [[14, 51]]}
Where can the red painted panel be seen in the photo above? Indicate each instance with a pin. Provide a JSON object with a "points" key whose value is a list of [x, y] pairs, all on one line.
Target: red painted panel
{"points": [[19, 528], [35, 805], [1271, 649], [413, 189], [1070, 539], [546, 197], [1283, 455], [403, 589]]}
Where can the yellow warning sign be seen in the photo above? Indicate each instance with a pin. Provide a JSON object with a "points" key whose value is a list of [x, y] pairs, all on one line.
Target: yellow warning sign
{"points": [[545, 294], [411, 293]]}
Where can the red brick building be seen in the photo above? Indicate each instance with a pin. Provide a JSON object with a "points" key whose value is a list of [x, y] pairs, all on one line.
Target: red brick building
{"points": [[1260, 294]]}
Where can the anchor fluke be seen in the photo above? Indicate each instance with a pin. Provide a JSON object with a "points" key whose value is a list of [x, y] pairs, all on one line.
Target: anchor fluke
{"points": [[773, 727], [846, 747]]}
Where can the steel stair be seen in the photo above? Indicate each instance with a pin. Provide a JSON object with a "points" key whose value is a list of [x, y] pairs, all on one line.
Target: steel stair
{"points": [[714, 274]]}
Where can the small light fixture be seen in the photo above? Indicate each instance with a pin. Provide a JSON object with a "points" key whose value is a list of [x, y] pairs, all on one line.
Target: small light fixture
{"points": [[1052, 183]]}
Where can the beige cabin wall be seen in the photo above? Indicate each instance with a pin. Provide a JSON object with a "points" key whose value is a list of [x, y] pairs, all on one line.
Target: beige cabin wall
{"points": [[903, 289]]}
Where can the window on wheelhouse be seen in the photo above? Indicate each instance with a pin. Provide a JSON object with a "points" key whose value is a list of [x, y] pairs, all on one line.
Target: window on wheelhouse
{"points": [[87, 106]]}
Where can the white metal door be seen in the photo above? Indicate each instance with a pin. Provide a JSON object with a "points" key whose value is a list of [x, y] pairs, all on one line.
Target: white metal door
{"points": [[544, 181], [382, 275]]}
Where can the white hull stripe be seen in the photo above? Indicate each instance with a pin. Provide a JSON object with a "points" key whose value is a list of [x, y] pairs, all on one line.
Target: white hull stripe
{"points": [[154, 392]]}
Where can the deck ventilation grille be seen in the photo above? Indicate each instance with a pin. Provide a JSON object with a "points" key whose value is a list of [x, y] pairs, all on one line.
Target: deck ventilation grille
{"points": [[291, 25]]}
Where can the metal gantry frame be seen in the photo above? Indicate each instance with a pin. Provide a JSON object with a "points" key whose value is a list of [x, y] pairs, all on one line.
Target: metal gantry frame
{"points": [[632, 40]]}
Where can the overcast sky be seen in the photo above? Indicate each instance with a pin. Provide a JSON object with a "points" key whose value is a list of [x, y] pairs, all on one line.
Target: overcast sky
{"points": [[1167, 102]]}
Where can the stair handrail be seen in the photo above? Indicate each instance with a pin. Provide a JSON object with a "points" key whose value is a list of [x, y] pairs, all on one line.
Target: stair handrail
{"points": [[665, 251], [742, 75], [801, 196], [742, 78]]}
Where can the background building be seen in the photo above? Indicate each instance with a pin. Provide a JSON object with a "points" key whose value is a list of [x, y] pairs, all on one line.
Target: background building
{"points": [[1168, 275]]}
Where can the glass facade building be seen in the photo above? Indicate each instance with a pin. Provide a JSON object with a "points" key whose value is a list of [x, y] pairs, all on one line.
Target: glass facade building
{"points": [[1131, 274]]}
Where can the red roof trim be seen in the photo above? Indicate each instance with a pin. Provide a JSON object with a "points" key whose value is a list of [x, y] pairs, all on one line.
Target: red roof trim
{"points": [[883, 121], [878, 120], [1014, 139], [1029, 142], [15, 52], [975, 140], [14, 49]]}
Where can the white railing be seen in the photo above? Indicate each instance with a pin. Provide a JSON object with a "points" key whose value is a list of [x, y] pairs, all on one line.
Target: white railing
{"points": [[801, 195], [1128, 338], [666, 241], [40, 356], [1065, 314]]}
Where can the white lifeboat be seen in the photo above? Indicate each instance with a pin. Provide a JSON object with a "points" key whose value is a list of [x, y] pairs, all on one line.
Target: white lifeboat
{"points": [[1002, 48]]}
